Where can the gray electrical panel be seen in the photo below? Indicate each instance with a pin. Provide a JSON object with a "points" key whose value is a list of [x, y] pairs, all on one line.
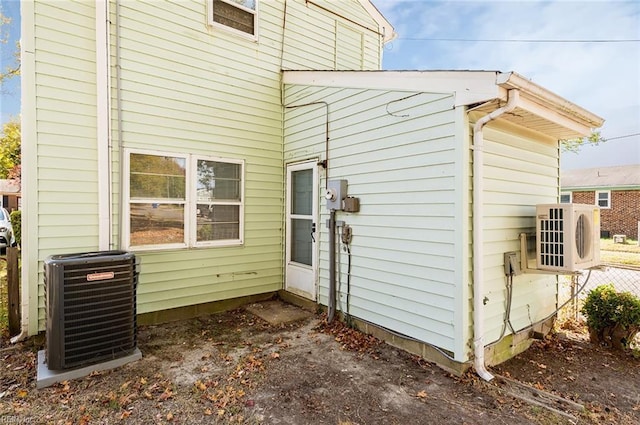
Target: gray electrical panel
{"points": [[335, 194]]}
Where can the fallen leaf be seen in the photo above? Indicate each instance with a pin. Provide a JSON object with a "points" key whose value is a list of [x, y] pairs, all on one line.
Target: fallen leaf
{"points": [[208, 412], [125, 414], [220, 412], [22, 393], [169, 416], [422, 394], [199, 385], [167, 394], [143, 381], [275, 355]]}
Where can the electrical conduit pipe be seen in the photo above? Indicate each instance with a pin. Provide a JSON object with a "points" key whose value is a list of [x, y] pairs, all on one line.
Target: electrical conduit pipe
{"points": [[478, 240]]}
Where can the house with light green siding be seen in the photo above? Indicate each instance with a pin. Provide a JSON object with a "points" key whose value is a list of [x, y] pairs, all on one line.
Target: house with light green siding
{"points": [[207, 137]]}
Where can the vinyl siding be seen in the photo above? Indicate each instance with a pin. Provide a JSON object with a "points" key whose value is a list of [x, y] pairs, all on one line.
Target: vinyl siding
{"points": [[66, 155], [521, 170], [345, 39], [398, 152], [186, 88]]}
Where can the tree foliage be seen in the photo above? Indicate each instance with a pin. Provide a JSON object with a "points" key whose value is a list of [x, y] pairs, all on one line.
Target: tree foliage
{"points": [[10, 158], [13, 68], [574, 145], [155, 176]]}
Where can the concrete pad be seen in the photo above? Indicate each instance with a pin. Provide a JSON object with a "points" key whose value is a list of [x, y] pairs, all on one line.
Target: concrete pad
{"points": [[277, 312], [48, 377]]}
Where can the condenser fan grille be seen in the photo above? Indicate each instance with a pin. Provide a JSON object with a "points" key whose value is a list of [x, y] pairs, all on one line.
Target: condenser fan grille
{"points": [[583, 236]]}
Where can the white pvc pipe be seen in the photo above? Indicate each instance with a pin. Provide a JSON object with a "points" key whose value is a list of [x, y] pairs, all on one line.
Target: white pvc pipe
{"points": [[478, 240], [103, 128]]}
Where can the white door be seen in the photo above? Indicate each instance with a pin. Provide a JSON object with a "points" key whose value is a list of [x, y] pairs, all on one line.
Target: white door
{"points": [[302, 229]]}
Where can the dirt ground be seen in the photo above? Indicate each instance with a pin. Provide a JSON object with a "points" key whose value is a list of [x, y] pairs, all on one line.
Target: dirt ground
{"points": [[234, 367]]}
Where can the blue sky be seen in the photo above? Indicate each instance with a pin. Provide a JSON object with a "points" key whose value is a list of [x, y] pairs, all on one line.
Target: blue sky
{"points": [[603, 77]]}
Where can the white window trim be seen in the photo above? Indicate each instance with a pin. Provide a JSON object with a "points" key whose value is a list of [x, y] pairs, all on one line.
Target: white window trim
{"points": [[190, 219], [570, 196], [608, 192], [214, 24], [194, 201]]}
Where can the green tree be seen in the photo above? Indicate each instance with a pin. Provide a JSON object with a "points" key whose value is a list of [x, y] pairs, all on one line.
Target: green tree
{"points": [[13, 68], [10, 150], [574, 145]]}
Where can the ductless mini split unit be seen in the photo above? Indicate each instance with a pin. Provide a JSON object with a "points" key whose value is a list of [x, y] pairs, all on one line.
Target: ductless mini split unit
{"points": [[567, 237]]}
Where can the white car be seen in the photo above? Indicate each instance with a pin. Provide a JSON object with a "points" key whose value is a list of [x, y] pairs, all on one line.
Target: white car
{"points": [[6, 231]]}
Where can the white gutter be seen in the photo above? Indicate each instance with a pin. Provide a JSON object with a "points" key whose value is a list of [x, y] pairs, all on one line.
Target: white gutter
{"points": [[478, 240], [513, 80], [103, 128]]}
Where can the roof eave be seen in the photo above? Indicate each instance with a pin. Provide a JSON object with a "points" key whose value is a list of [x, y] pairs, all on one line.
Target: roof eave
{"points": [[548, 99], [388, 32]]}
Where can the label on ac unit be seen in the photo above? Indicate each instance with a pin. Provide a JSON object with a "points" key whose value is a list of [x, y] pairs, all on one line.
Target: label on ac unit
{"points": [[100, 276]]}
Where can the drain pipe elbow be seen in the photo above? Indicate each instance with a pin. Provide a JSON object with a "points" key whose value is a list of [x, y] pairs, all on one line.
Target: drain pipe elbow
{"points": [[478, 240]]}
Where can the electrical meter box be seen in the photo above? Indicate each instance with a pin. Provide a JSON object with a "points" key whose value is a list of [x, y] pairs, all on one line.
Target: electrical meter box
{"points": [[335, 194]]}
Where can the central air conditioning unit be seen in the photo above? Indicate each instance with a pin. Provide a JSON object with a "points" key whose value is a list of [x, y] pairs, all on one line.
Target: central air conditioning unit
{"points": [[91, 308], [567, 237]]}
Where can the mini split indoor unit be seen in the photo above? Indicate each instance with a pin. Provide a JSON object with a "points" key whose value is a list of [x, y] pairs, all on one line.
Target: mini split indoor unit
{"points": [[567, 237], [91, 308]]}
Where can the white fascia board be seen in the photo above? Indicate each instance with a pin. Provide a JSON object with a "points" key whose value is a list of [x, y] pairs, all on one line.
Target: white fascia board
{"points": [[385, 27], [581, 128], [468, 87], [512, 80]]}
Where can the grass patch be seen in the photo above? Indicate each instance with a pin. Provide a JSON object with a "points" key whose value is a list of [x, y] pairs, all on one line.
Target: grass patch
{"points": [[620, 253]]}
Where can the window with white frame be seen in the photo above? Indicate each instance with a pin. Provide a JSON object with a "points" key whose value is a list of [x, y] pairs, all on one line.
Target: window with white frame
{"points": [[603, 198], [566, 197], [179, 201], [238, 15]]}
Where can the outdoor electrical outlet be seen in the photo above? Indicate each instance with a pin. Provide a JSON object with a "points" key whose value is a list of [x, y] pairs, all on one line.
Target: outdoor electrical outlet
{"points": [[346, 234]]}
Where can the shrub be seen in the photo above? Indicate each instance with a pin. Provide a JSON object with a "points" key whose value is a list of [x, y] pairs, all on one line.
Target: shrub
{"points": [[613, 317], [16, 222]]}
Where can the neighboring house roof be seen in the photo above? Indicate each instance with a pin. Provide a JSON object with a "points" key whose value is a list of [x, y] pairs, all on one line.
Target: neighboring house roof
{"points": [[484, 91], [8, 187], [618, 177]]}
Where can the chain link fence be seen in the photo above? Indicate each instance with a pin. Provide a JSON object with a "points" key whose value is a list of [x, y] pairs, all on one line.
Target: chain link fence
{"points": [[625, 278]]}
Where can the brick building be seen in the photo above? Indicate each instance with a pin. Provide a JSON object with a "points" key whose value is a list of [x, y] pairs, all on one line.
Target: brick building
{"points": [[615, 189]]}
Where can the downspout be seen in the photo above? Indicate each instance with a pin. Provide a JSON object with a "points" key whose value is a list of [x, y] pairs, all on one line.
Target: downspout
{"points": [[103, 128], [478, 225], [119, 124]]}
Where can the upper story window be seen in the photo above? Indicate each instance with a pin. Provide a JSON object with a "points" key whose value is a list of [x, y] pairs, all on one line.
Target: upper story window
{"points": [[565, 197], [237, 15], [603, 199]]}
